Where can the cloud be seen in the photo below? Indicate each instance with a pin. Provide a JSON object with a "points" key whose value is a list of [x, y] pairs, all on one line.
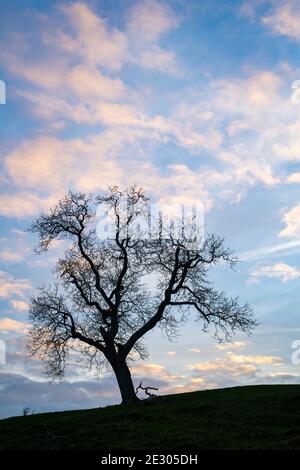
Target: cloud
{"points": [[67, 171], [233, 366], [156, 58], [93, 40], [269, 250], [8, 325], [82, 81], [283, 377], [15, 247], [191, 385], [153, 369], [195, 350], [90, 83], [81, 91], [222, 124], [249, 7], [91, 164], [149, 20], [157, 371], [228, 118], [9, 286], [233, 345], [224, 365], [280, 271], [258, 359], [20, 305], [292, 220], [18, 391], [285, 19], [24, 204], [10, 256], [79, 63], [294, 178], [26, 167], [231, 369]]}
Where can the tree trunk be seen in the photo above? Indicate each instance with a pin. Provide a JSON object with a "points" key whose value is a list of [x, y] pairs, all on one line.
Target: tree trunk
{"points": [[125, 383]]}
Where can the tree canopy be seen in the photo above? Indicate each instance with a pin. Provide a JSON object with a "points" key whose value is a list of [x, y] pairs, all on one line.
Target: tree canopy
{"points": [[108, 293]]}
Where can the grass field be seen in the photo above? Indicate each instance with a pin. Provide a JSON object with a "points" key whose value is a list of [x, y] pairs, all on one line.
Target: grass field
{"points": [[254, 417]]}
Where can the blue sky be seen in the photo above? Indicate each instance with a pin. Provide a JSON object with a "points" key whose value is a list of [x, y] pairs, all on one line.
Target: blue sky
{"points": [[194, 101]]}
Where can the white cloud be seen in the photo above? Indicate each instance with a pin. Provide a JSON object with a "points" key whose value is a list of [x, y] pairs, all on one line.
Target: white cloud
{"points": [[223, 124], [8, 325], [269, 250], [93, 41], [171, 353], [248, 8], [149, 19], [23, 204], [156, 58], [10, 256], [280, 271], [155, 370], [233, 345], [93, 160], [234, 365], [28, 169], [195, 350], [88, 164], [258, 359], [294, 178], [224, 365], [9, 286], [285, 19], [79, 62], [20, 305], [292, 221], [90, 82], [85, 82]]}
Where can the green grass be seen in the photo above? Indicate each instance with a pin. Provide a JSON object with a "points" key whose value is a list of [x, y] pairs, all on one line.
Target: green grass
{"points": [[255, 417]]}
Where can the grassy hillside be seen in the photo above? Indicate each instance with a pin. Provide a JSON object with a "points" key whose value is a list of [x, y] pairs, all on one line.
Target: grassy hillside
{"points": [[256, 417]]}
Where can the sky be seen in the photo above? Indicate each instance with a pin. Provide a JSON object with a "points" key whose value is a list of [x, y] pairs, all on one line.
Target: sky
{"points": [[196, 101]]}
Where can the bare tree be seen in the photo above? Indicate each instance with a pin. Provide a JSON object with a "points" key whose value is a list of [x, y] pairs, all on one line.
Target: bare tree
{"points": [[109, 293]]}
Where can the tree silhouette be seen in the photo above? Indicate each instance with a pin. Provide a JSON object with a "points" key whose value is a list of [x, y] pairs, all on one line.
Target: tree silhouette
{"points": [[109, 293]]}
